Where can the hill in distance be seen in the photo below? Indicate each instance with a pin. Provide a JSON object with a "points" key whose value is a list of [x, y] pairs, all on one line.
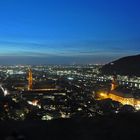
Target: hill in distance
{"points": [[124, 66]]}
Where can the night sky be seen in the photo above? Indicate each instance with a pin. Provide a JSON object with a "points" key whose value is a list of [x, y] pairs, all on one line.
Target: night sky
{"points": [[68, 31]]}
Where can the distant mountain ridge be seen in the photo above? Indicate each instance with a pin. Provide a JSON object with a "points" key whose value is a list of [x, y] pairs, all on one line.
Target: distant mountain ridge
{"points": [[129, 65]]}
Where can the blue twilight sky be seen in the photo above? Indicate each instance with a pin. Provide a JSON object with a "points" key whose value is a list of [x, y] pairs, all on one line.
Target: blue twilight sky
{"points": [[68, 31]]}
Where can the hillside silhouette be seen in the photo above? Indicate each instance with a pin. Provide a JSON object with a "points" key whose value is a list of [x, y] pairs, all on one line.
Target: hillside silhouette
{"points": [[124, 66]]}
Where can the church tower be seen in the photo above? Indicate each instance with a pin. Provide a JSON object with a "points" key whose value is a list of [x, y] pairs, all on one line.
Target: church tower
{"points": [[30, 80], [114, 83]]}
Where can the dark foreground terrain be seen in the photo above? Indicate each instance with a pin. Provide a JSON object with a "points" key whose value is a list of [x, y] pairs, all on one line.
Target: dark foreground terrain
{"points": [[124, 127]]}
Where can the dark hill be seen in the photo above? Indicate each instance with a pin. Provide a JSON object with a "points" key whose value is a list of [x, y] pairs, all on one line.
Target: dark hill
{"points": [[125, 66]]}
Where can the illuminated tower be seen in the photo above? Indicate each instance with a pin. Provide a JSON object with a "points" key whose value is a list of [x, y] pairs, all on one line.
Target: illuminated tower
{"points": [[114, 83], [30, 80]]}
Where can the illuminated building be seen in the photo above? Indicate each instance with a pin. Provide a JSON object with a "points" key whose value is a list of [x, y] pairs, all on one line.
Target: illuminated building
{"points": [[30, 85], [113, 84], [124, 97], [30, 80]]}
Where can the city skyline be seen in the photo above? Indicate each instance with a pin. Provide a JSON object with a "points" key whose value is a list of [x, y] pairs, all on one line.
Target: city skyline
{"points": [[68, 32]]}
